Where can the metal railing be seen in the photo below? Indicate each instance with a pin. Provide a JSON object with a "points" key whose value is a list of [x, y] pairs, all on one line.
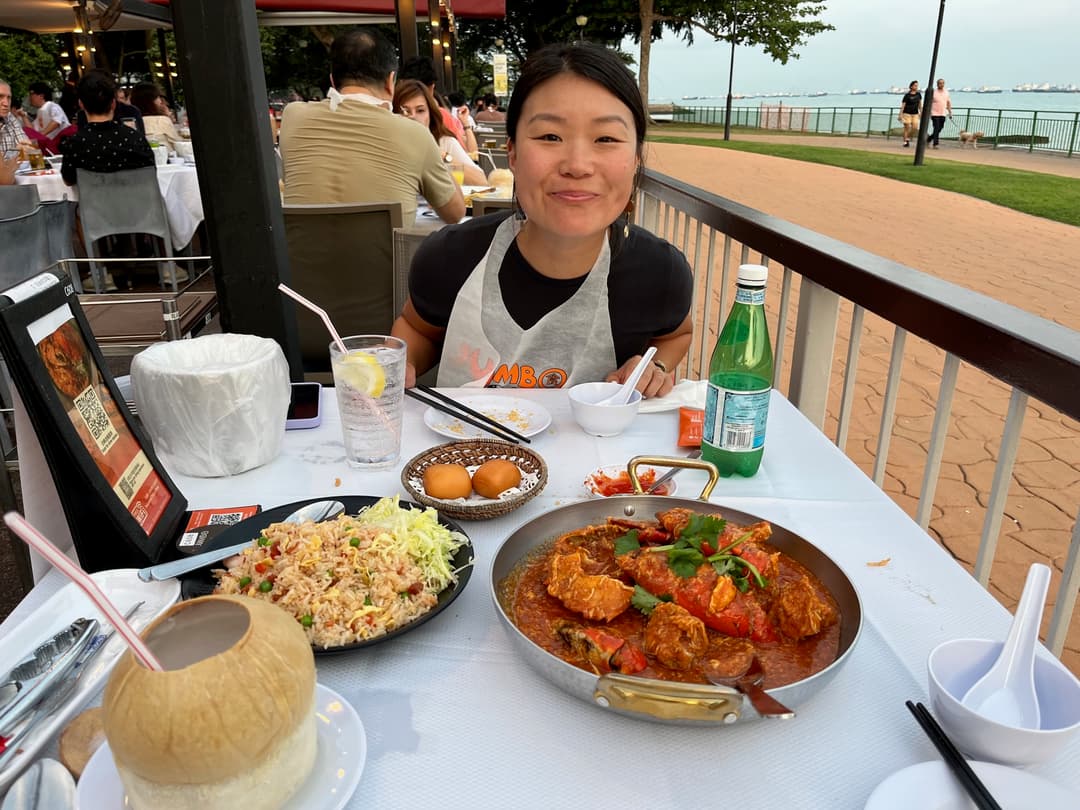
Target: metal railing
{"points": [[1033, 130], [820, 276]]}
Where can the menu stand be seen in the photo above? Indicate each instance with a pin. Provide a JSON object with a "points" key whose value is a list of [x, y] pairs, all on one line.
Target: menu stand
{"points": [[109, 496]]}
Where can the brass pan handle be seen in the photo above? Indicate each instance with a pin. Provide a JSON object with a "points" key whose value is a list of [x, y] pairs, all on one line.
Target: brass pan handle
{"points": [[668, 700], [673, 461]]}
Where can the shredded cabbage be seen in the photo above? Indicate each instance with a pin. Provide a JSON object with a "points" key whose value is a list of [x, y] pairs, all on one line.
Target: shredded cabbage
{"points": [[419, 532]]}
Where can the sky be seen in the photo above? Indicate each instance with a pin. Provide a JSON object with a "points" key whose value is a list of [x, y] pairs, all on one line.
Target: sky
{"points": [[879, 43]]}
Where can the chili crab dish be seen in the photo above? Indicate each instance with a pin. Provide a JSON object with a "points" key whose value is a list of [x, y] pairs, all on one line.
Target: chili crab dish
{"points": [[685, 590]]}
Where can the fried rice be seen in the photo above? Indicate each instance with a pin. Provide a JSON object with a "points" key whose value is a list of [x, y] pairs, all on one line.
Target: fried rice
{"points": [[353, 578]]}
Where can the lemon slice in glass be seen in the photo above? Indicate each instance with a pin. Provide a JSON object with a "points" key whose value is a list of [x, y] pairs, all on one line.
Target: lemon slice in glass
{"points": [[363, 372]]}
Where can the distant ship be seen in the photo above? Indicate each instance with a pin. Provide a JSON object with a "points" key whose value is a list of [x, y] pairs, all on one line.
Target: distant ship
{"points": [[1046, 87], [856, 92], [986, 89], [817, 94]]}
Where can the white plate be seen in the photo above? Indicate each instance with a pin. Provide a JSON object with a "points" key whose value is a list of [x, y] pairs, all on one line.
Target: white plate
{"points": [[614, 470], [123, 587], [520, 415], [932, 785], [339, 763]]}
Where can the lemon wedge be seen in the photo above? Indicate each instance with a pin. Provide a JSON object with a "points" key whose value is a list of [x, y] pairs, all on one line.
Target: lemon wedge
{"points": [[362, 371]]}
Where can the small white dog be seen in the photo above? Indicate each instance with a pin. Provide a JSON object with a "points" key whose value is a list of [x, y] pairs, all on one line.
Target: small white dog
{"points": [[970, 137]]}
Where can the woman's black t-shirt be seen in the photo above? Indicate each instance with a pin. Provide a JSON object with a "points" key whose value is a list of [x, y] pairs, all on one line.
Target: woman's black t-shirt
{"points": [[911, 103], [650, 285]]}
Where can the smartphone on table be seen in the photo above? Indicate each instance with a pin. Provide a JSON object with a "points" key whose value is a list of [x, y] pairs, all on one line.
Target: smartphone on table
{"points": [[304, 406]]}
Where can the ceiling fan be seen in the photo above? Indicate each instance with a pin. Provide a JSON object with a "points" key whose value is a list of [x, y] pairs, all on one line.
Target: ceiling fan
{"points": [[103, 13]]}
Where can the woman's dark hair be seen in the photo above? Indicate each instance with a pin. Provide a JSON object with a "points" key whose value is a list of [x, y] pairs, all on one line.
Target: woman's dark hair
{"points": [[143, 95], [406, 89], [912, 83], [583, 59], [42, 89]]}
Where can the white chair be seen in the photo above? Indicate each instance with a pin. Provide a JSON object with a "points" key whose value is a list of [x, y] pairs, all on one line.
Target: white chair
{"points": [[123, 202]]}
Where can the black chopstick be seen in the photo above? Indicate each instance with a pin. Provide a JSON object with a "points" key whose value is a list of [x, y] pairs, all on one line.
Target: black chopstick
{"points": [[953, 758], [482, 422], [485, 419]]}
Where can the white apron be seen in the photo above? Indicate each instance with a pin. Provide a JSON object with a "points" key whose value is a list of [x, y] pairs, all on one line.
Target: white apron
{"points": [[571, 344]]}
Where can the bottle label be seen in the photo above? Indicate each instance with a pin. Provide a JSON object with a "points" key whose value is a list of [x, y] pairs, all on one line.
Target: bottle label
{"points": [[735, 420], [750, 295]]}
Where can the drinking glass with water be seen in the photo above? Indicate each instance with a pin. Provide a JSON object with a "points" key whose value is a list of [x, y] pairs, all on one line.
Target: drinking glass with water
{"points": [[369, 378]]}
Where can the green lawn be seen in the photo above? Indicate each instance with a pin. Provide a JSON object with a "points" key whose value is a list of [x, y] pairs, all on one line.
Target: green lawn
{"points": [[1041, 195]]}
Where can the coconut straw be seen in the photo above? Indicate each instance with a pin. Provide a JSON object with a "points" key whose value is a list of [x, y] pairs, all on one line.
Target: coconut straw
{"points": [[35, 539], [293, 294]]}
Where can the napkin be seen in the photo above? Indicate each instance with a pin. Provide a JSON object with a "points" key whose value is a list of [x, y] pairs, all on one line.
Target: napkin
{"points": [[688, 393]]}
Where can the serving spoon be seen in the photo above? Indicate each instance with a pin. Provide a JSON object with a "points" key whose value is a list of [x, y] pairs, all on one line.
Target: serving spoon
{"points": [[749, 683], [315, 512], [1006, 693], [622, 396]]}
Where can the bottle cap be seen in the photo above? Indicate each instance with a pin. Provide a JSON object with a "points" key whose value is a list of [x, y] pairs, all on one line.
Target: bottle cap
{"points": [[755, 274]]}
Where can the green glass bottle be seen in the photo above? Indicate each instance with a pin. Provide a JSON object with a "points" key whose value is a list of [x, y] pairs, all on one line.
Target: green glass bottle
{"points": [[740, 380]]}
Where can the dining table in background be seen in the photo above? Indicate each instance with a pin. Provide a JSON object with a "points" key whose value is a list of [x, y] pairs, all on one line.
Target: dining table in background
{"points": [[454, 718], [179, 189]]}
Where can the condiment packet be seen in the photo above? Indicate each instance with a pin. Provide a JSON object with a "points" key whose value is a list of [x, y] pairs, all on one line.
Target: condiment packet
{"points": [[691, 421]]}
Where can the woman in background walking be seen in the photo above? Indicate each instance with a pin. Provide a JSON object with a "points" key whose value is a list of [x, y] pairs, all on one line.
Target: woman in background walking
{"points": [[910, 108]]}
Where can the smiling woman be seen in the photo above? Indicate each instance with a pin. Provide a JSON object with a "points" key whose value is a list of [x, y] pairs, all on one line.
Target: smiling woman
{"points": [[565, 290]]}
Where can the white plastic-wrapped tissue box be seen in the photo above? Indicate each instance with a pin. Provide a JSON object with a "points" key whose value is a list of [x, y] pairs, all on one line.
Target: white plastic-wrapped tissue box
{"points": [[215, 405]]}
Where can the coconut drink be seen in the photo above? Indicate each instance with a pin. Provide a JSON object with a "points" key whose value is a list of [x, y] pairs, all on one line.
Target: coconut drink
{"points": [[229, 723]]}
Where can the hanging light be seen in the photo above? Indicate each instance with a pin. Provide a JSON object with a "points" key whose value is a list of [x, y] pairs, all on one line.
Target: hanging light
{"points": [[446, 57], [446, 43], [64, 54], [436, 41]]}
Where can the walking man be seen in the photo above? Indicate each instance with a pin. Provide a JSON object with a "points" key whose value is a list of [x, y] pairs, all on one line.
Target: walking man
{"points": [[940, 106], [910, 108]]}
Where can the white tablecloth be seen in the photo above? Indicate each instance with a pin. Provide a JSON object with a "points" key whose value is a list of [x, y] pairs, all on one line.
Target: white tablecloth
{"points": [[179, 189], [454, 719]]}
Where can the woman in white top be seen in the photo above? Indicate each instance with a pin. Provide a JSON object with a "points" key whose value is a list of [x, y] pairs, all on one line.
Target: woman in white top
{"points": [[413, 100], [159, 126]]}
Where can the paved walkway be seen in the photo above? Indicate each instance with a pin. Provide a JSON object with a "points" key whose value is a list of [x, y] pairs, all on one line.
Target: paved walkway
{"points": [[1023, 260]]}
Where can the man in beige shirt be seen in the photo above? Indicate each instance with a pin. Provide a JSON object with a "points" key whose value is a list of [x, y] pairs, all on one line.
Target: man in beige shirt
{"points": [[351, 148]]}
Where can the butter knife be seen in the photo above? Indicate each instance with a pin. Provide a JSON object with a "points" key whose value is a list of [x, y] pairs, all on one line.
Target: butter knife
{"points": [[663, 479]]}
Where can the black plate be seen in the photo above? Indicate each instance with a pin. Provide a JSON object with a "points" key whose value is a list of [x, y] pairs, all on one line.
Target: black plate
{"points": [[201, 582]]}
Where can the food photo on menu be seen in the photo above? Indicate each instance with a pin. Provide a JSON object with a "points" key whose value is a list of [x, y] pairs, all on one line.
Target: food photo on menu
{"points": [[96, 418]]}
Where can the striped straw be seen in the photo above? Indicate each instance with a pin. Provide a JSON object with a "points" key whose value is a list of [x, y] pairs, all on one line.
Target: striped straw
{"points": [[18, 524], [293, 294]]}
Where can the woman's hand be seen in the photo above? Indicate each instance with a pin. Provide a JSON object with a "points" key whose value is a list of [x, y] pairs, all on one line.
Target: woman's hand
{"points": [[654, 382]]}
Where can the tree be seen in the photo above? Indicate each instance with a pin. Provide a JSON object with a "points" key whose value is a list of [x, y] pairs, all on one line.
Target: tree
{"points": [[780, 26], [26, 58]]}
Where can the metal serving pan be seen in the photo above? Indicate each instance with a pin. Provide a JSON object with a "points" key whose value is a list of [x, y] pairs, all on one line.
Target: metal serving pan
{"points": [[648, 698]]}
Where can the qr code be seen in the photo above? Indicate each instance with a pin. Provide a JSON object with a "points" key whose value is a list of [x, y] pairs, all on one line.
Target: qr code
{"points": [[89, 405], [225, 518]]}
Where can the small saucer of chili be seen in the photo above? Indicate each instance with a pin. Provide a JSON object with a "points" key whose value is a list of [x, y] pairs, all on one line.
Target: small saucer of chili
{"points": [[615, 480]]}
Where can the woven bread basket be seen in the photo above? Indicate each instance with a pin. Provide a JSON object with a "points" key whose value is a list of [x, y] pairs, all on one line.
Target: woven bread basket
{"points": [[472, 454]]}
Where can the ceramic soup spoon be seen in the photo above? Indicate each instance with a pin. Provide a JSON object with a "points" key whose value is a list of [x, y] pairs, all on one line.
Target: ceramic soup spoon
{"points": [[1006, 693]]}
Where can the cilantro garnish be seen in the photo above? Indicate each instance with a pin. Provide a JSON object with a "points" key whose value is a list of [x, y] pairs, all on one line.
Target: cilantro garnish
{"points": [[695, 547], [645, 601], [627, 543]]}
